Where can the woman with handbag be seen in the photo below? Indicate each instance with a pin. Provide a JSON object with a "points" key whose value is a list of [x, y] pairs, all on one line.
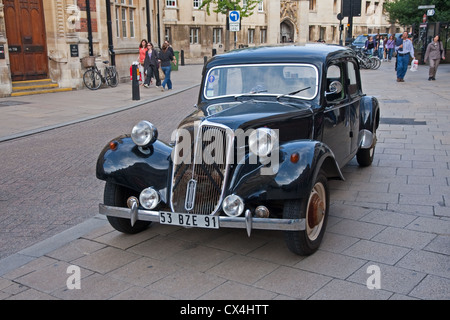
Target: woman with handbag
{"points": [[151, 66], [166, 56], [434, 54]]}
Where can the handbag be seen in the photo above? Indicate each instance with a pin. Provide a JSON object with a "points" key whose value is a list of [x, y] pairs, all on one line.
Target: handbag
{"points": [[162, 76]]}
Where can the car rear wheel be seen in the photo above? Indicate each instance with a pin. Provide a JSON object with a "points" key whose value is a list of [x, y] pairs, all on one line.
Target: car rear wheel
{"points": [[115, 195], [314, 209]]}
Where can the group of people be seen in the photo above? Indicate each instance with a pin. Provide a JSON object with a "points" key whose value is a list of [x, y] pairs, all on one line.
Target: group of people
{"points": [[151, 61], [402, 48], [382, 47], [405, 51]]}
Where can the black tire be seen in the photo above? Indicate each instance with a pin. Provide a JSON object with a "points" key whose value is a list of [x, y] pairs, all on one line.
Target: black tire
{"points": [[307, 241], [115, 195], [365, 156], [92, 79], [112, 77]]}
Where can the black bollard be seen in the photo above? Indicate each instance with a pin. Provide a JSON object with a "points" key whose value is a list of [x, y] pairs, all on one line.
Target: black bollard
{"points": [[135, 83], [182, 57]]}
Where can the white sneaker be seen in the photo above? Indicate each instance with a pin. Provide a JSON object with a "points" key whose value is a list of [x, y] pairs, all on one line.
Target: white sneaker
{"points": [[146, 85]]}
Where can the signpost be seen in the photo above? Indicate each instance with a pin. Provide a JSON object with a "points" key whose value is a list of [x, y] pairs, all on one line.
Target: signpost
{"points": [[234, 22]]}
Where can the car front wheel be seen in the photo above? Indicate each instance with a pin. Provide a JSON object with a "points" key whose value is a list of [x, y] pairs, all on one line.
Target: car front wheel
{"points": [[115, 195], [314, 209]]}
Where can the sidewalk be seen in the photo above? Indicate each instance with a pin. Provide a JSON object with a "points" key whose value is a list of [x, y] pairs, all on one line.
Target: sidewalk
{"points": [[30, 114], [393, 216]]}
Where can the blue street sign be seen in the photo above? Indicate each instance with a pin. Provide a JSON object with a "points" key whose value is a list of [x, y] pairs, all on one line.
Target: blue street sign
{"points": [[234, 16]]}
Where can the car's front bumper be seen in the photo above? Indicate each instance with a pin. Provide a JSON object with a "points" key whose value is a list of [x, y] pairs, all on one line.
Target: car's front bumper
{"points": [[247, 222]]}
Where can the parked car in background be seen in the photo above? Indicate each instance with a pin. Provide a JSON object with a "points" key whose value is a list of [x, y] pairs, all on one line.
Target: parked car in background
{"points": [[271, 127]]}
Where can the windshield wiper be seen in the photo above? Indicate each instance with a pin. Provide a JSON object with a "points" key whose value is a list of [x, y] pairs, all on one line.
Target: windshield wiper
{"points": [[292, 93]]}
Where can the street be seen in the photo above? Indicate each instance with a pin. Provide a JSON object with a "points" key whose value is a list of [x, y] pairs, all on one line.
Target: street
{"points": [[48, 181]]}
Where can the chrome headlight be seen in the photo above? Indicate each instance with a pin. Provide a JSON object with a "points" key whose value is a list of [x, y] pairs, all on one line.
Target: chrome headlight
{"points": [[233, 205], [144, 133], [262, 141], [149, 198]]}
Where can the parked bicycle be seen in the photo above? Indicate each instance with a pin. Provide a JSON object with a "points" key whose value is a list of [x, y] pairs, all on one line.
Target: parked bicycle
{"points": [[93, 77], [367, 61]]}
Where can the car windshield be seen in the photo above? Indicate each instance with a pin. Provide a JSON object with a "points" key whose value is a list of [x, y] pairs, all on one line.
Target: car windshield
{"points": [[360, 40], [296, 80]]}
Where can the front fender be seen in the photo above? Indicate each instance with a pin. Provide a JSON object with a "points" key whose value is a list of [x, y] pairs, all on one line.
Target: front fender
{"points": [[288, 180], [135, 167]]}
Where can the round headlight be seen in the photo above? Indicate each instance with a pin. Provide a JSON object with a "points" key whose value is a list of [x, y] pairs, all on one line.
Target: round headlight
{"points": [[144, 133], [233, 205], [149, 198], [262, 141]]}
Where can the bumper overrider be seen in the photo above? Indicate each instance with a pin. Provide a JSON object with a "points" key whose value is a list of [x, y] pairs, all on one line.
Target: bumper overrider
{"points": [[247, 222]]}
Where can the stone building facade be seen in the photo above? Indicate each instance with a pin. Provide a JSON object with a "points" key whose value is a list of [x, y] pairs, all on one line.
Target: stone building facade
{"points": [[45, 39]]}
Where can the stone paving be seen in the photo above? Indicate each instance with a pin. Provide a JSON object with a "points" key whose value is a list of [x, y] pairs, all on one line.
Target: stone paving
{"points": [[392, 217]]}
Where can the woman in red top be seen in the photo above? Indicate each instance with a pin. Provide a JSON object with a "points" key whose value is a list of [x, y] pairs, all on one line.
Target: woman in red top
{"points": [[142, 52]]}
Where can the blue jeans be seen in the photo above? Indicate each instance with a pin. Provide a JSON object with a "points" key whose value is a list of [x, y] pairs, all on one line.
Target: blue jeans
{"points": [[380, 53], [402, 65], [167, 80], [390, 52]]}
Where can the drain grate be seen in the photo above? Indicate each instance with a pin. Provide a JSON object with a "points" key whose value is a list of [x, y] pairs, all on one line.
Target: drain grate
{"points": [[394, 101], [402, 121], [12, 103]]}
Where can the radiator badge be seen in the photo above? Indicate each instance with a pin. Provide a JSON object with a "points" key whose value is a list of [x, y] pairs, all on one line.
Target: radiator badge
{"points": [[190, 195]]}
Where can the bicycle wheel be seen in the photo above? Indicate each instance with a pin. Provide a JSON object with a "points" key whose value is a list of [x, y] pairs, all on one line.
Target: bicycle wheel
{"points": [[376, 63], [92, 79], [112, 77]]}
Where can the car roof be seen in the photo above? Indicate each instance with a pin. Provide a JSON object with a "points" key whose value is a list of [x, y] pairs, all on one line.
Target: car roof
{"points": [[309, 53]]}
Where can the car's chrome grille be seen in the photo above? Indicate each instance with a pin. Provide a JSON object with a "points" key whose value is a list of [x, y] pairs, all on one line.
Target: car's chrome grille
{"points": [[199, 174]]}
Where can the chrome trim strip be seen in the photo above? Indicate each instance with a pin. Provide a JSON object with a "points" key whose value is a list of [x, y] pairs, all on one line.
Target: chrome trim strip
{"points": [[224, 222]]}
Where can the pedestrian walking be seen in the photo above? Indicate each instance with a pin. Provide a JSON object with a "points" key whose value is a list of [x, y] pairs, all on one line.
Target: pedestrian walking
{"points": [[151, 66], [369, 45], [404, 53], [434, 54], [166, 56], [390, 45], [142, 52]]}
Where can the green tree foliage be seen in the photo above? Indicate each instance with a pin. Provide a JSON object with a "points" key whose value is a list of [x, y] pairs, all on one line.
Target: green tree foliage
{"points": [[225, 6], [405, 12]]}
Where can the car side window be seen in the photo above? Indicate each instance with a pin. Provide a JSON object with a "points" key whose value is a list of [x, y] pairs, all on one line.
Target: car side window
{"points": [[334, 75], [352, 81]]}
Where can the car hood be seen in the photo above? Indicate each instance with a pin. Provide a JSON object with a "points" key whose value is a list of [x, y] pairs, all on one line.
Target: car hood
{"points": [[293, 120]]}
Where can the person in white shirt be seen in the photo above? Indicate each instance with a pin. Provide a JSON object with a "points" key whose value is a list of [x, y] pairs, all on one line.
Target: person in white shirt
{"points": [[405, 51]]}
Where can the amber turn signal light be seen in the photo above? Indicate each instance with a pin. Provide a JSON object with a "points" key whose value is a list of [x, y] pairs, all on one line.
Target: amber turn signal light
{"points": [[295, 157], [113, 145]]}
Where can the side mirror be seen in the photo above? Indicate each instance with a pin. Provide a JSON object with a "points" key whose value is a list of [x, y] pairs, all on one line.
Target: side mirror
{"points": [[335, 87]]}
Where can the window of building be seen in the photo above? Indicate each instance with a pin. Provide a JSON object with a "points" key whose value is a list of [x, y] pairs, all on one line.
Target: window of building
{"points": [[167, 34], [251, 36], [367, 6], [194, 36], [197, 4], [263, 36], [217, 35], [312, 5], [261, 6], [171, 3], [125, 18]]}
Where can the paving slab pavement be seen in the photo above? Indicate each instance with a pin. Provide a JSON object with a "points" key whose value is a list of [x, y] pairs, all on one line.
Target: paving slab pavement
{"points": [[392, 218]]}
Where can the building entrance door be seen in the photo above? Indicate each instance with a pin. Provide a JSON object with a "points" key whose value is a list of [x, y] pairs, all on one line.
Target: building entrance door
{"points": [[25, 32]]}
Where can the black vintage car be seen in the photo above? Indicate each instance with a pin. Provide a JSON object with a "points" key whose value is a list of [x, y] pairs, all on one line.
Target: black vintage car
{"points": [[272, 125]]}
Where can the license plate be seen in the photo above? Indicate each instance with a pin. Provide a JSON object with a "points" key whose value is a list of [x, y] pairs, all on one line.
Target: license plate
{"points": [[189, 220]]}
